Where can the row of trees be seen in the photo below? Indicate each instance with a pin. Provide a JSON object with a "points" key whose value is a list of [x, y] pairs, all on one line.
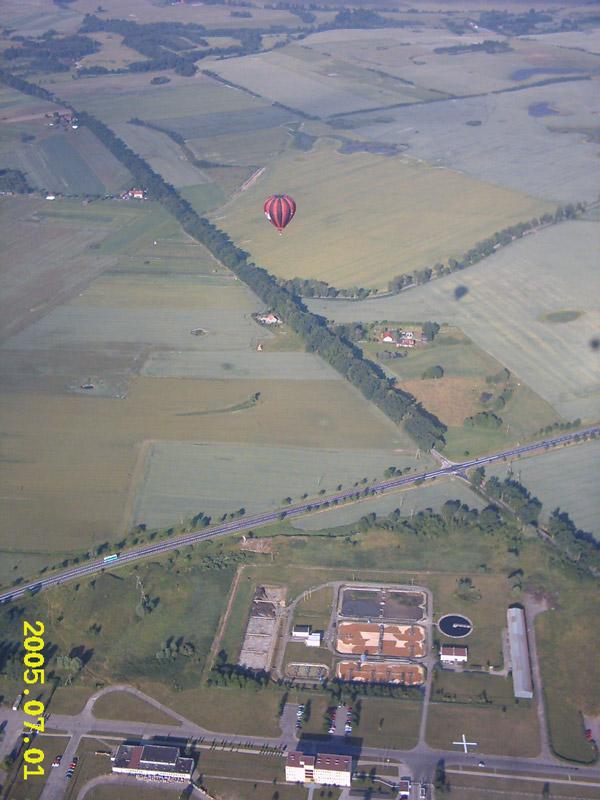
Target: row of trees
{"points": [[425, 428], [578, 545], [346, 358], [484, 248]]}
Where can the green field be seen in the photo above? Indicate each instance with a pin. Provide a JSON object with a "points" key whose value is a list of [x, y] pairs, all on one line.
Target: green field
{"points": [[118, 98], [556, 361], [469, 786], [362, 219], [472, 687], [86, 498], [513, 732], [409, 55], [564, 478], [300, 80], [162, 153], [188, 478], [59, 164], [126, 706], [228, 365], [388, 723], [47, 253], [532, 158], [411, 499]]}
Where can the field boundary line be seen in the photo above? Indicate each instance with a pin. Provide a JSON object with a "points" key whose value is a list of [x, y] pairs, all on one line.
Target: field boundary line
{"points": [[136, 477], [224, 619]]}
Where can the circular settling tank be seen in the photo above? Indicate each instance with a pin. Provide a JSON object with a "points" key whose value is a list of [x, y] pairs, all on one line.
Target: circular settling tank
{"points": [[455, 625]]}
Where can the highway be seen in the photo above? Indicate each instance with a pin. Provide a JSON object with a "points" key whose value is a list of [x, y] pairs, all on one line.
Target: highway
{"points": [[239, 525]]}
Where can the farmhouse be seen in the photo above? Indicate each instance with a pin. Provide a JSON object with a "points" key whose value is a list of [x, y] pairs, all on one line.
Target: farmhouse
{"points": [[152, 762], [407, 340], [519, 652], [388, 336], [326, 769], [269, 319], [450, 654]]}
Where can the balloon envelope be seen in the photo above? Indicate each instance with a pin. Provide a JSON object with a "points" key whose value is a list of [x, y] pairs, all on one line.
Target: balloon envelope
{"points": [[279, 210]]}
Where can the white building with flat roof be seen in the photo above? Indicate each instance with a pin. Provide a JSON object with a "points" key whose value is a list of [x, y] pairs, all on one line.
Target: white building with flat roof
{"points": [[451, 654], [153, 761], [519, 653], [327, 769]]}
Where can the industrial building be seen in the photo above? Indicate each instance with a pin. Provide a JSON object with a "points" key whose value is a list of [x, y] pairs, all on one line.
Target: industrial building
{"points": [[519, 652], [153, 763], [327, 769], [450, 654]]}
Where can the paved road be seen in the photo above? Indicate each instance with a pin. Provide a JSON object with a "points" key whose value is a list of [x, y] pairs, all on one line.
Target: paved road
{"points": [[266, 518], [420, 761]]}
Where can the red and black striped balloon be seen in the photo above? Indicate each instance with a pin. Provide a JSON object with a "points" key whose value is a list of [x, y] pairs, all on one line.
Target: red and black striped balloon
{"points": [[279, 210]]}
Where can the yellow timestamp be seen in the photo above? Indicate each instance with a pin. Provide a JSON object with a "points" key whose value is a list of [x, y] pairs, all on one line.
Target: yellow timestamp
{"points": [[34, 674]]}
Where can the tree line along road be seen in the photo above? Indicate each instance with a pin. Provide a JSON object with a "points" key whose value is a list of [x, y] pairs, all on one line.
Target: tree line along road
{"points": [[268, 517]]}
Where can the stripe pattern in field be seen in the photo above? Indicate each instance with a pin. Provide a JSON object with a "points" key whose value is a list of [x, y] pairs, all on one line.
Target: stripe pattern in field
{"points": [[369, 638]]}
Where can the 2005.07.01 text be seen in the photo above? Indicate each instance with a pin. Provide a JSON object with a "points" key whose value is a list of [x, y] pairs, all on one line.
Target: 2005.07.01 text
{"points": [[33, 674]]}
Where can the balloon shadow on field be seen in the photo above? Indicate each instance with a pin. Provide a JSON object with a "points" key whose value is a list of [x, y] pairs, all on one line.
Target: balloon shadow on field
{"points": [[460, 292]]}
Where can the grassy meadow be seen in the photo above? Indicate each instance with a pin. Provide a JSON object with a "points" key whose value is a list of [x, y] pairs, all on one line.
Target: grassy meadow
{"points": [[469, 786], [500, 304], [513, 732], [362, 218]]}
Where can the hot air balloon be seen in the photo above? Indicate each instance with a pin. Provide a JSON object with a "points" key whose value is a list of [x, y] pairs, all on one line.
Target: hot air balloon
{"points": [[279, 210]]}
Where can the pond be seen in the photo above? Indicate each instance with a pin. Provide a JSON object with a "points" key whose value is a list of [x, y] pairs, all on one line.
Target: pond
{"points": [[542, 110]]}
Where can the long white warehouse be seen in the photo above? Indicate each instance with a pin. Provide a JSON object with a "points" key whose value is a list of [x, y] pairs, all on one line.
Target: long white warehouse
{"points": [[519, 652]]}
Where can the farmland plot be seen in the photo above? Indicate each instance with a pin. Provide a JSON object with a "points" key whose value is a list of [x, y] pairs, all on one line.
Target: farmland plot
{"points": [[566, 478], [74, 326], [412, 499], [277, 78], [259, 117], [503, 309], [162, 153], [412, 56], [33, 17], [225, 365], [363, 219], [68, 462], [15, 104], [54, 165], [188, 478], [46, 258], [119, 98], [510, 147]]}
